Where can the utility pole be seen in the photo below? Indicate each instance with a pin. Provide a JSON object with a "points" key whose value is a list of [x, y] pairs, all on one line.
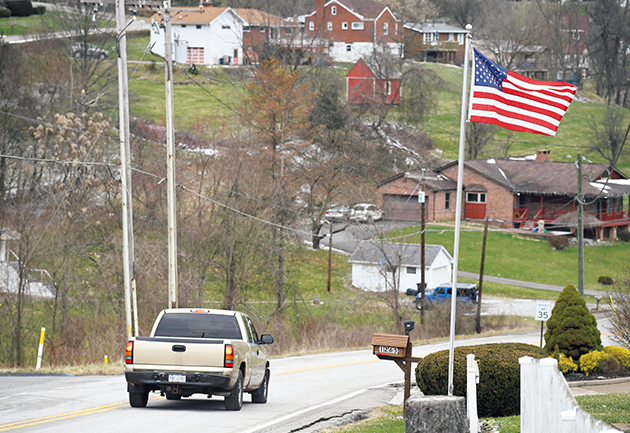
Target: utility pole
{"points": [[483, 261], [580, 227], [423, 283], [170, 153], [330, 226], [129, 277]]}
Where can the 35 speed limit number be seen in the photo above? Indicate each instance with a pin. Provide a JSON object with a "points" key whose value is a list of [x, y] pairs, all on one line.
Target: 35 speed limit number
{"points": [[543, 310]]}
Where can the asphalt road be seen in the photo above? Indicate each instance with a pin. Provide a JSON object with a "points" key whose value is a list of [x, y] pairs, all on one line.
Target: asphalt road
{"points": [[306, 393]]}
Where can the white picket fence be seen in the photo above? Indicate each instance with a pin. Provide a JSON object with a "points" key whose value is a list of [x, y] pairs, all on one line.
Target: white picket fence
{"points": [[547, 405]]}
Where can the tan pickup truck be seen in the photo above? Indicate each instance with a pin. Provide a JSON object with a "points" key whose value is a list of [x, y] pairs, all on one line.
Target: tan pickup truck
{"points": [[191, 351]]}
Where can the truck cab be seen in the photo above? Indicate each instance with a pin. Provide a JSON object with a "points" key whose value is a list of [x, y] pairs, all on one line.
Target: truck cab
{"points": [[466, 292]]}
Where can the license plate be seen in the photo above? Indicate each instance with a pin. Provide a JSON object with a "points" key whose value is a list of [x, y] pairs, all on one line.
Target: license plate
{"points": [[177, 378], [388, 350]]}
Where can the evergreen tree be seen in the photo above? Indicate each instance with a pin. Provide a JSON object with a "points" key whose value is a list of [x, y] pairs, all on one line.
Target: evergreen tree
{"points": [[571, 327]]}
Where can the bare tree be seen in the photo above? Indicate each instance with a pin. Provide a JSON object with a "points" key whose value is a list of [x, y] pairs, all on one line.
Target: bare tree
{"points": [[609, 134], [478, 135]]}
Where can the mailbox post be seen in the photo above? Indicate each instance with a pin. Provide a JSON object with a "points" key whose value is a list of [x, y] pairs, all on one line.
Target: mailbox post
{"points": [[397, 348]]}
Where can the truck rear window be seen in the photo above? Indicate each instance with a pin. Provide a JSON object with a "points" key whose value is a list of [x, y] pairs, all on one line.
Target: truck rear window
{"points": [[198, 326]]}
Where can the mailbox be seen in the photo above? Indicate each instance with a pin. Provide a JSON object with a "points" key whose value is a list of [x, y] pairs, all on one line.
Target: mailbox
{"points": [[390, 345]]}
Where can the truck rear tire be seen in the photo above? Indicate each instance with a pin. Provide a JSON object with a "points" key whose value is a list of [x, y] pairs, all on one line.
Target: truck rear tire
{"points": [[260, 395], [234, 401], [138, 399]]}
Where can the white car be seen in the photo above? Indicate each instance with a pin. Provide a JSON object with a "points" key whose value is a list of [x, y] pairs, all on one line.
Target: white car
{"points": [[338, 213], [366, 213]]}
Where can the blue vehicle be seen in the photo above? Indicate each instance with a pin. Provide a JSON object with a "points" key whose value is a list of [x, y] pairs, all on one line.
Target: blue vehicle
{"points": [[466, 292]]}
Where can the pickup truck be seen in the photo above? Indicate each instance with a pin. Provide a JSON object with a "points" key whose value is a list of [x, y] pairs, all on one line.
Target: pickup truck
{"points": [[466, 292], [191, 351]]}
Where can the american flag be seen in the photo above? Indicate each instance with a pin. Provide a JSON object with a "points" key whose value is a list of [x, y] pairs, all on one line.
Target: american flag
{"points": [[515, 102]]}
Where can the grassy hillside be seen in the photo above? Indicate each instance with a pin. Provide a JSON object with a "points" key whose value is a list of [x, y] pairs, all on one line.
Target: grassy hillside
{"points": [[219, 98]]}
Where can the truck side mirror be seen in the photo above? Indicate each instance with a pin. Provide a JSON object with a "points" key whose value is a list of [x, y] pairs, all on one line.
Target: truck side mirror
{"points": [[265, 339]]}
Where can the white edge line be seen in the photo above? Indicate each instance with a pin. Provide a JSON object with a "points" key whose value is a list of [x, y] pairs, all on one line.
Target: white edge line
{"points": [[308, 409]]}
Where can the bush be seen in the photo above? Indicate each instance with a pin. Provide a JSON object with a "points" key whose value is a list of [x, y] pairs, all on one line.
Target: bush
{"points": [[571, 326], [499, 375], [624, 236], [5, 12], [20, 8], [566, 364], [608, 365], [607, 281], [621, 353], [589, 361]]}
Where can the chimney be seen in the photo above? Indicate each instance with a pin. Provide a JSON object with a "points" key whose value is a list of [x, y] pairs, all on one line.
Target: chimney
{"points": [[319, 11], [205, 4], [543, 155]]}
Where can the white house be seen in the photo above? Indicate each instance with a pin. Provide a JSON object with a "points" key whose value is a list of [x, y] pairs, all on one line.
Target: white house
{"points": [[377, 266], [201, 36]]}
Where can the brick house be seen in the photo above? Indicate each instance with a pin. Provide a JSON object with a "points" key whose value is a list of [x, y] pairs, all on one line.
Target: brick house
{"points": [[520, 192], [398, 196], [434, 42], [348, 30], [371, 83]]}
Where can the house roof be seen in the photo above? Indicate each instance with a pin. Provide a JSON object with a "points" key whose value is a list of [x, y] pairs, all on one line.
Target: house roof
{"points": [[395, 254], [434, 27], [368, 9], [524, 175], [432, 181], [206, 15]]}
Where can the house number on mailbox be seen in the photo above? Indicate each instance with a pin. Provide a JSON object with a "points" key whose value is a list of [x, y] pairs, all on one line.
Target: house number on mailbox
{"points": [[388, 350]]}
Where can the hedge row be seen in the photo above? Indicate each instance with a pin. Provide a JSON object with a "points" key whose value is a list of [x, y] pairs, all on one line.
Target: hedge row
{"points": [[498, 392]]}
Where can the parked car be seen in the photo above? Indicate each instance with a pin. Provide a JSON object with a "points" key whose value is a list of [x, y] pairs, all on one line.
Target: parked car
{"points": [[466, 292], [366, 213], [338, 213], [79, 48]]}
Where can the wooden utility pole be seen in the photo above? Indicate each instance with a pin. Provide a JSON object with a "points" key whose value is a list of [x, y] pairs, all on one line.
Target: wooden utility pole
{"points": [[170, 156], [580, 227], [483, 261], [423, 283], [330, 225]]}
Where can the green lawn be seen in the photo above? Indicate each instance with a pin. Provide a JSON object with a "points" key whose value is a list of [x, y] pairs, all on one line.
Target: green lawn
{"points": [[511, 256]]}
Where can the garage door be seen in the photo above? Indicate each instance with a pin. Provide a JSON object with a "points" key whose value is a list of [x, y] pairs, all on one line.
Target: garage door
{"points": [[402, 207]]}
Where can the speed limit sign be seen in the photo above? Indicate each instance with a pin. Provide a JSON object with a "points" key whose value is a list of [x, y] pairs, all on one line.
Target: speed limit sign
{"points": [[543, 310]]}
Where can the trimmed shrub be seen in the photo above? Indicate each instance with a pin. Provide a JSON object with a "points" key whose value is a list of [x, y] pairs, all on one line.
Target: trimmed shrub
{"points": [[624, 236], [621, 353], [5, 12], [499, 375], [571, 326], [20, 8], [566, 364], [608, 365], [607, 281], [589, 361]]}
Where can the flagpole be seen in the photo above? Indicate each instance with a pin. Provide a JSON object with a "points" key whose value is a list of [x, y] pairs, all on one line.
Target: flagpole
{"points": [[458, 211]]}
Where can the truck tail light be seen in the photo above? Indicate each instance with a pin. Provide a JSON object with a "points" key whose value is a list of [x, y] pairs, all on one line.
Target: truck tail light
{"points": [[229, 356], [129, 353]]}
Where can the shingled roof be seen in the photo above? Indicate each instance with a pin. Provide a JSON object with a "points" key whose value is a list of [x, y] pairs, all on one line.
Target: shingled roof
{"points": [[521, 175], [398, 254], [368, 9]]}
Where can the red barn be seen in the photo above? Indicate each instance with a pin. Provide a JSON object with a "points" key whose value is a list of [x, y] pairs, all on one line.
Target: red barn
{"points": [[369, 82]]}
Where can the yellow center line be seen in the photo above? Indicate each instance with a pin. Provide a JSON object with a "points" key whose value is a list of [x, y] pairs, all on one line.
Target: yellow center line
{"points": [[61, 416], [299, 370]]}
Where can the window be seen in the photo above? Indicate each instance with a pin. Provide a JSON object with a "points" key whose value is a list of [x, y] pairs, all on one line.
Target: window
{"points": [[411, 270], [247, 28], [344, 26], [262, 29], [460, 39], [183, 26], [224, 27], [388, 87], [198, 26], [253, 329], [475, 197], [333, 10], [575, 35], [385, 28], [390, 269], [329, 26], [447, 200], [451, 37], [348, 48], [428, 37], [311, 26], [357, 26], [288, 30], [396, 27]]}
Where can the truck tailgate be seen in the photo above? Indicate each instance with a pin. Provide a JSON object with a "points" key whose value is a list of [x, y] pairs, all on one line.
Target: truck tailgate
{"points": [[175, 352]]}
